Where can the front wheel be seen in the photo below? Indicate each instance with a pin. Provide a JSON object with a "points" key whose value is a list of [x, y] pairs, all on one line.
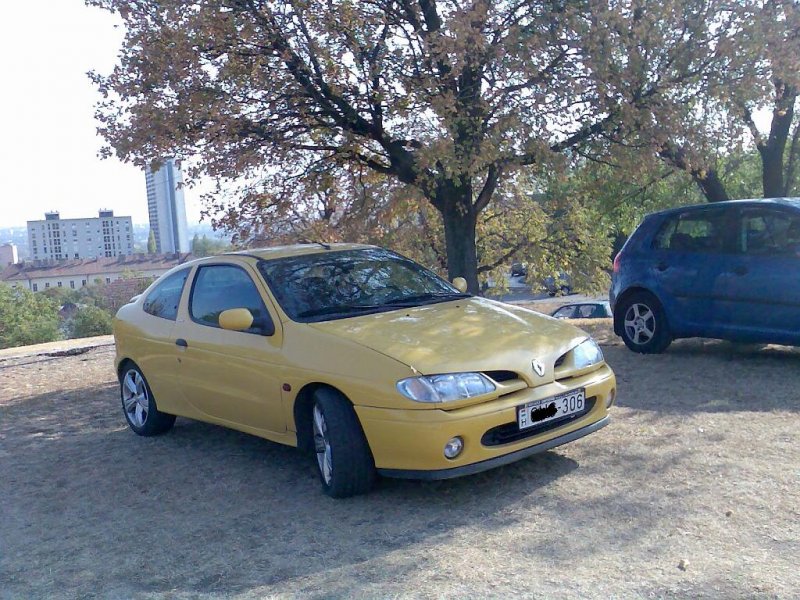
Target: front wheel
{"points": [[644, 324], [344, 460], [139, 405]]}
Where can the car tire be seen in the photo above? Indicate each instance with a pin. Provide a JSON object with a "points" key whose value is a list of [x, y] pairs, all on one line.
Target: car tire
{"points": [[643, 324], [139, 405], [344, 461]]}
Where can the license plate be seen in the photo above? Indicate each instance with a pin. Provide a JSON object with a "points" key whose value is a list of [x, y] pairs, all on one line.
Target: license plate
{"points": [[549, 409]]}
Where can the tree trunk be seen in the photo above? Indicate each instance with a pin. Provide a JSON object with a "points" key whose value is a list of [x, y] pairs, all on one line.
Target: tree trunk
{"points": [[772, 150], [772, 171], [458, 214], [711, 186]]}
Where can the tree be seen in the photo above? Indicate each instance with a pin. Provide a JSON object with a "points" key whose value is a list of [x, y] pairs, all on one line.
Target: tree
{"points": [[26, 318], [152, 248], [451, 100], [90, 321], [202, 246], [761, 86]]}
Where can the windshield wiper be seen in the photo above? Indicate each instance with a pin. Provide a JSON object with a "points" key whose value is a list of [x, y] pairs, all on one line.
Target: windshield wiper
{"points": [[340, 308], [400, 303], [413, 300]]}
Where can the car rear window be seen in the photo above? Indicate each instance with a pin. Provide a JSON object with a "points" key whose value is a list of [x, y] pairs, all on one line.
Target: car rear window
{"points": [[163, 300], [696, 231]]}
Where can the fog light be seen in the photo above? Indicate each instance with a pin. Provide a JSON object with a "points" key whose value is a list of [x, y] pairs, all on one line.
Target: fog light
{"points": [[612, 395], [454, 447]]}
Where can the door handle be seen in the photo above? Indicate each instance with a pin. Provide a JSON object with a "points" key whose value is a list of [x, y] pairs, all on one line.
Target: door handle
{"points": [[740, 270], [181, 342], [662, 266]]}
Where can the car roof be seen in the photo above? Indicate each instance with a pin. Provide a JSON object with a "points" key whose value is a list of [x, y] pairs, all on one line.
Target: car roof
{"points": [[273, 252], [790, 202], [297, 250]]}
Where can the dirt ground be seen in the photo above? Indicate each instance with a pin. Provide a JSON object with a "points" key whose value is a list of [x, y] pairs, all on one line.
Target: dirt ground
{"points": [[692, 491]]}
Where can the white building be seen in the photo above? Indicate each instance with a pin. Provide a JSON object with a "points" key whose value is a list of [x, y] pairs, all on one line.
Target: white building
{"points": [[77, 273], [167, 207], [56, 238], [8, 255]]}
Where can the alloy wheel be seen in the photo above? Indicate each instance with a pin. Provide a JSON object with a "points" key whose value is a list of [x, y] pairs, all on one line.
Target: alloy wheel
{"points": [[322, 445], [134, 398], [640, 323]]}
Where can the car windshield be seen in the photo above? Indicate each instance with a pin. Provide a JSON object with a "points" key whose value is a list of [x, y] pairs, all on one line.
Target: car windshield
{"points": [[339, 284]]}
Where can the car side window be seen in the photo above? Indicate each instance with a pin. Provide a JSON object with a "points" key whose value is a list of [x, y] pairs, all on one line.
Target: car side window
{"points": [[567, 312], [695, 231], [218, 288], [768, 232], [164, 299]]}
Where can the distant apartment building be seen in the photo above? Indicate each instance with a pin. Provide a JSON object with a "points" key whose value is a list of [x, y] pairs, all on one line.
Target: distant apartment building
{"points": [[77, 273], [56, 238], [8, 255], [167, 207]]}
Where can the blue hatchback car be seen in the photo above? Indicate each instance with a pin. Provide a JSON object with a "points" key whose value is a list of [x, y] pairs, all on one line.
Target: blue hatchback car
{"points": [[728, 270]]}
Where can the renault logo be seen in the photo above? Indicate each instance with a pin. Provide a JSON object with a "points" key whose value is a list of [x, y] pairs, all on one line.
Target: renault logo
{"points": [[538, 367]]}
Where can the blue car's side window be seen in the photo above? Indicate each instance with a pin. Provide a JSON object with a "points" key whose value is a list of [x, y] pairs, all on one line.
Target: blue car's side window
{"points": [[696, 231], [769, 232]]}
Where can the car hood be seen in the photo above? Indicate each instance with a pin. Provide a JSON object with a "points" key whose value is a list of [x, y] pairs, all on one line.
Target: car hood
{"points": [[470, 334]]}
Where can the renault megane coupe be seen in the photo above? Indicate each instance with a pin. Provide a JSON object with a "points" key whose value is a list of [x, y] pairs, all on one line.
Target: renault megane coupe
{"points": [[360, 356]]}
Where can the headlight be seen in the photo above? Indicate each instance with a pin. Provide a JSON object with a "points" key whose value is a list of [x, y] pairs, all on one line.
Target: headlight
{"points": [[586, 354], [445, 388]]}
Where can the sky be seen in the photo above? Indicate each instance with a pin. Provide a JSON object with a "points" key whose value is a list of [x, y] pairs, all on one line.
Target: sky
{"points": [[48, 139]]}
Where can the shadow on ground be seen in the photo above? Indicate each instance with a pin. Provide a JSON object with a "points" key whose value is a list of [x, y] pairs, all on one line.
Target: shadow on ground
{"points": [[93, 508], [697, 376]]}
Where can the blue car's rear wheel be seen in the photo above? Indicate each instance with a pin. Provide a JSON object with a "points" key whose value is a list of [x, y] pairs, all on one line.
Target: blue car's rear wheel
{"points": [[644, 326]]}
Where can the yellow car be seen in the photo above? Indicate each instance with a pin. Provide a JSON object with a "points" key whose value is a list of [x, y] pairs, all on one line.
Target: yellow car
{"points": [[360, 356]]}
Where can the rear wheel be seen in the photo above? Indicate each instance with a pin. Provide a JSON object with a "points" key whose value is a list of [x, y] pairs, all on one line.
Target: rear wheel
{"points": [[644, 324], [344, 460], [139, 405]]}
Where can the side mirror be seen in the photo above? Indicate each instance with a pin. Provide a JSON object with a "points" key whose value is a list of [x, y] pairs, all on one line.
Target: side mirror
{"points": [[460, 284], [236, 319]]}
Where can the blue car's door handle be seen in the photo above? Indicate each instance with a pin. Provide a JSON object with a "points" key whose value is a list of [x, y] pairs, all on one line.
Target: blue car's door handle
{"points": [[662, 266], [740, 270]]}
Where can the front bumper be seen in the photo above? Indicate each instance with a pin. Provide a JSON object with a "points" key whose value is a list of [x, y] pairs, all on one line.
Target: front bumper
{"points": [[410, 443], [499, 461]]}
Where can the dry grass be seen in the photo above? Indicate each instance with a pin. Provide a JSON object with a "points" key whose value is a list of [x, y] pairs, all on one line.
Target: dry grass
{"points": [[700, 469]]}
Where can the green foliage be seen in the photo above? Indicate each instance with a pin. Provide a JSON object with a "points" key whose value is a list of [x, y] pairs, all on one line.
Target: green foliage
{"points": [[151, 243], [208, 247], [453, 101], [26, 317], [89, 321]]}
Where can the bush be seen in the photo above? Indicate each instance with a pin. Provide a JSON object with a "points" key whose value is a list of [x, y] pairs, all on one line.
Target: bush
{"points": [[26, 318], [90, 321]]}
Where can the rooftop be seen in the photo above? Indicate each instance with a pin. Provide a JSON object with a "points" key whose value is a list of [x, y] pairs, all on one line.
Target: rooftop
{"points": [[91, 266]]}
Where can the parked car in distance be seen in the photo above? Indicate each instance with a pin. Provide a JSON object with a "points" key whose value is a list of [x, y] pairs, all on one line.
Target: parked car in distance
{"points": [[583, 310], [359, 356], [519, 270], [727, 270], [558, 285]]}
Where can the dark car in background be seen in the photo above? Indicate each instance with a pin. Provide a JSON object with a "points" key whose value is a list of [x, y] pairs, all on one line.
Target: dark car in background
{"points": [[727, 270], [583, 310]]}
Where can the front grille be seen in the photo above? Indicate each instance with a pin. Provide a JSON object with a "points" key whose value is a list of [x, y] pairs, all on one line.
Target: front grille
{"points": [[509, 432], [501, 376]]}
